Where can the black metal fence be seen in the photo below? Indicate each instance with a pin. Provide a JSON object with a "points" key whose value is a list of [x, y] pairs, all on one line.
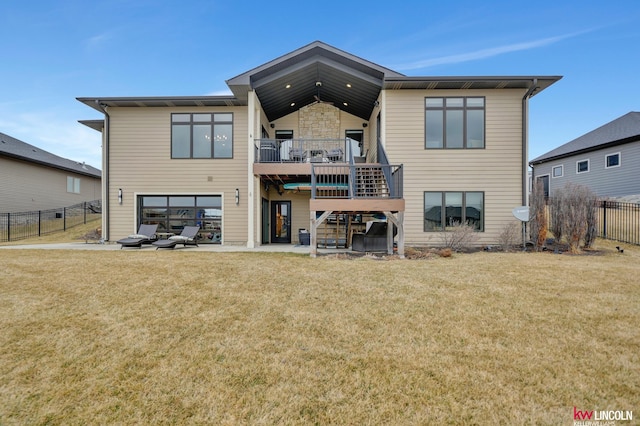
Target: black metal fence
{"points": [[18, 226], [619, 221]]}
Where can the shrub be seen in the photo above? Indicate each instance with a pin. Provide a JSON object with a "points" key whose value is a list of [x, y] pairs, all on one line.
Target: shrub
{"points": [[459, 236], [578, 210], [538, 212], [509, 236]]}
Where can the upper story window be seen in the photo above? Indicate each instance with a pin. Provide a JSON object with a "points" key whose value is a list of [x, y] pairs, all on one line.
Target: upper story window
{"points": [[612, 160], [202, 135], [454, 123], [73, 184], [558, 171], [582, 166]]}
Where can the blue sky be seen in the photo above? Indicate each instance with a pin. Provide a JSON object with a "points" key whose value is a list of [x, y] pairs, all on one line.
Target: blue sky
{"points": [[54, 51]]}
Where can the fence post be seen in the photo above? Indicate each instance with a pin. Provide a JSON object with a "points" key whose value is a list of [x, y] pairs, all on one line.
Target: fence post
{"points": [[39, 222], [84, 209], [64, 218], [8, 226], [604, 219]]}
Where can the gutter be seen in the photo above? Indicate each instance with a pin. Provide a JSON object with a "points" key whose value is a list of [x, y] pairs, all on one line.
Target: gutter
{"points": [[105, 172], [525, 140]]}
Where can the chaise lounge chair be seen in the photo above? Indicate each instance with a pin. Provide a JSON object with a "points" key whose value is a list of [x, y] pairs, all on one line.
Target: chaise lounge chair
{"points": [[146, 234], [187, 236]]}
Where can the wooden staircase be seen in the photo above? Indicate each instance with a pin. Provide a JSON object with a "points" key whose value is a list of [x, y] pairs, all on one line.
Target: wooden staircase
{"points": [[371, 182]]}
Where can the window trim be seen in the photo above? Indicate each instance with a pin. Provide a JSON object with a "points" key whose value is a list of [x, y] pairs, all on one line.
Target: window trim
{"points": [[578, 166], [538, 178], [443, 211], [553, 173], [75, 185], [464, 108], [193, 122], [138, 206], [606, 160]]}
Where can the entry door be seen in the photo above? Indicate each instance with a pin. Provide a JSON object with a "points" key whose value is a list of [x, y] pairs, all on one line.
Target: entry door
{"points": [[281, 222]]}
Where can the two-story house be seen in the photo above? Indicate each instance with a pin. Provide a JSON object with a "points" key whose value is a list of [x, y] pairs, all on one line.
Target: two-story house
{"points": [[606, 160], [323, 140]]}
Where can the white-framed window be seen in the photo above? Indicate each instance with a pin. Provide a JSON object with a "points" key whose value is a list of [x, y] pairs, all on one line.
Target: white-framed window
{"points": [[73, 185], [612, 160], [544, 180], [582, 166], [558, 171]]}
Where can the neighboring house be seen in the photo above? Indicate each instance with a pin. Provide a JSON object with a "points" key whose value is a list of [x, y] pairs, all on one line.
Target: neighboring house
{"points": [[33, 179], [606, 160], [319, 139]]}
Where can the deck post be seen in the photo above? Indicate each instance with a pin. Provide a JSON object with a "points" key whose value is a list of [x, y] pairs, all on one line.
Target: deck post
{"points": [[399, 223], [313, 244]]}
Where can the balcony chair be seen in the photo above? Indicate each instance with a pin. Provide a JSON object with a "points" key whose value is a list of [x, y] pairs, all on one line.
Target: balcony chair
{"points": [[187, 236], [335, 154], [297, 155], [146, 234]]}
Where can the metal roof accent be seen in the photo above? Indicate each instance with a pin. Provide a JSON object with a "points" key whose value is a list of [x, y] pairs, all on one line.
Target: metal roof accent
{"points": [[624, 129], [469, 82], [160, 101], [15, 148]]}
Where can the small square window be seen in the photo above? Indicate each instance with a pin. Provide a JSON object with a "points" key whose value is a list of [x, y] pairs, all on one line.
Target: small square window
{"points": [[558, 171], [613, 160], [582, 166]]}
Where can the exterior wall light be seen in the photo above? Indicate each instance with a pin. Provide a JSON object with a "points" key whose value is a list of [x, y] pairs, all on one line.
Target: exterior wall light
{"points": [[120, 196], [237, 196]]}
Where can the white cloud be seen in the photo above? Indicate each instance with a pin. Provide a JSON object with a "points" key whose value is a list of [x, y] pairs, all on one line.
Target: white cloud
{"points": [[484, 53], [98, 40], [60, 136]]}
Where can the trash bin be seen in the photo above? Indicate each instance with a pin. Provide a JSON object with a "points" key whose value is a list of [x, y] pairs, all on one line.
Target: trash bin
{"points": [[304, 237]]}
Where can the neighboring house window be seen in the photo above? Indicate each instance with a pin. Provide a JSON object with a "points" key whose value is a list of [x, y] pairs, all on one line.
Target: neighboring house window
{"points": [[454, 123], [544, 180], [73, 184], [442, 210], [558, 171], [582, 166], [612, 160], [202, 135]]}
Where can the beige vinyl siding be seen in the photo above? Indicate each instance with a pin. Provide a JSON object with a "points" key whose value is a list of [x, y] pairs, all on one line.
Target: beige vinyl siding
{"points": [[495, 170], [141, 163], [288, 122], [26, 186]]}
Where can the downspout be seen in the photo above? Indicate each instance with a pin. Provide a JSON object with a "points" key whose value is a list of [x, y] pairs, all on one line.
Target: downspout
{"points": [[105, 172], [525, 140]]}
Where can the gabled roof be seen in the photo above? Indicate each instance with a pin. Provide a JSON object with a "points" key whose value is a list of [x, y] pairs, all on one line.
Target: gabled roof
{"points": [[14, 148], [315, 71], [622, 130], [319, 72]]}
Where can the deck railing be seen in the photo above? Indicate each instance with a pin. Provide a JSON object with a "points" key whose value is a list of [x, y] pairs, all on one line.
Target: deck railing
{"points": [[350, 181], [305, 150]]}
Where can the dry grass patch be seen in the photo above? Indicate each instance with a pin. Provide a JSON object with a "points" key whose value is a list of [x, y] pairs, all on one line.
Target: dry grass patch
{"points": [[244, 338]]}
